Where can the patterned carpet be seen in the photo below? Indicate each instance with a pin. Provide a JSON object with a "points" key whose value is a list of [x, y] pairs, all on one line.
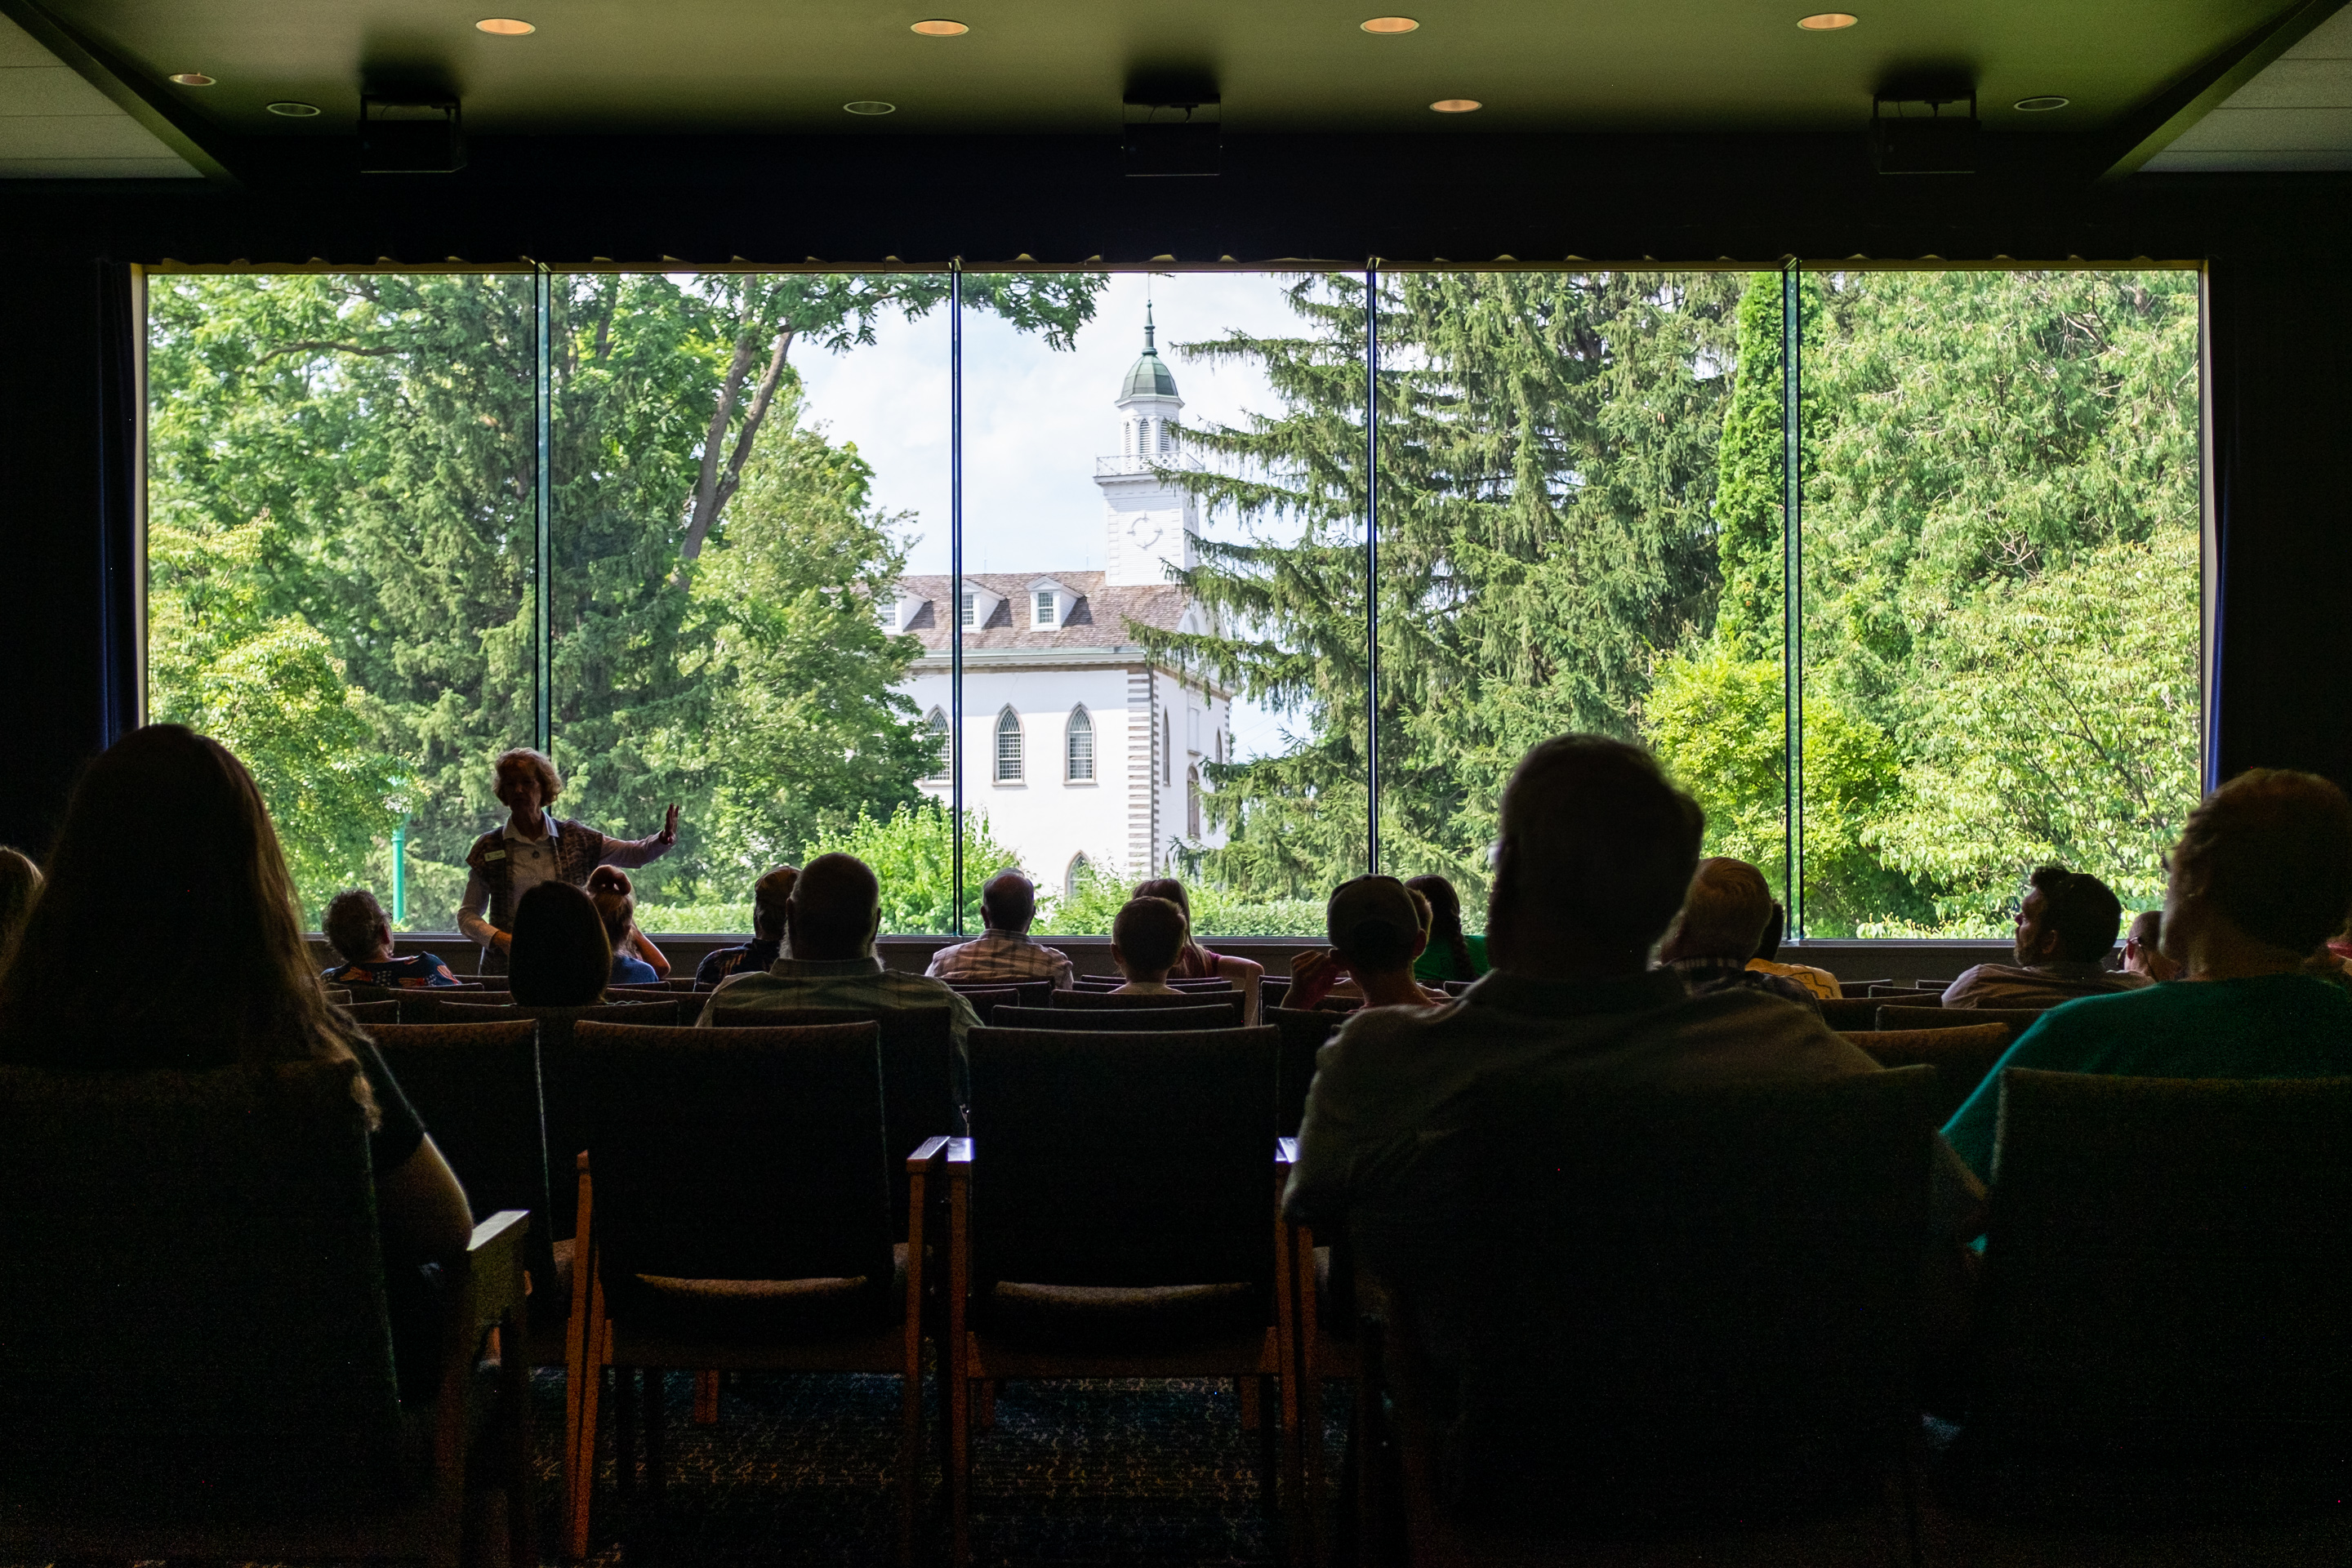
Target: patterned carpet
{"points": [[800, 1472]]}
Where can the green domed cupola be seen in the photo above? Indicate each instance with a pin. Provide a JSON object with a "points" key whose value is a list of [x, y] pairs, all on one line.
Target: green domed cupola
{"points": [[1149, 375]]}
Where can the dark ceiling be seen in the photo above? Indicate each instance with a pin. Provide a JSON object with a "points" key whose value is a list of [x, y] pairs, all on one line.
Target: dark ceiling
{"points": [[1063, 66]]}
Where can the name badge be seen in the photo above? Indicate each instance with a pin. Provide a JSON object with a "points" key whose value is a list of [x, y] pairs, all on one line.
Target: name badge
{"points": [[496, 855]]}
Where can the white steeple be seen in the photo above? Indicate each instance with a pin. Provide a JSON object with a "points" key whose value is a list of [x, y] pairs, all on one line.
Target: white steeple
{"points": [[1151, 523]]}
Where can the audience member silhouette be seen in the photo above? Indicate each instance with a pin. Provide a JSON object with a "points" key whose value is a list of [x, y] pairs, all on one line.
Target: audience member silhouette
{"points": [[831, 918], [225, 981], [2261, 877], [1376, 934], [2143, 948], [562, 955], [635, 942], [770, 894], [2066, 926], [20, 884], [1008, 904], [357, 928], [1596, 851], [1452, 953], [1146, 936], [619, 912], [1197, 962], [1821, 983], [1722, 918]]}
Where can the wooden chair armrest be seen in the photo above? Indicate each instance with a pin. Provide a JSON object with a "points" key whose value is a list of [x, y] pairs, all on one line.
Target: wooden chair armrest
{"points": [[580, 1161], [959, 1159], [1285, 1153], [494, 1274], [929, 1156]]}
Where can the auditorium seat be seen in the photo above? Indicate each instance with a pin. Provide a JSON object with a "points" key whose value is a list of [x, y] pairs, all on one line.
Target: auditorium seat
{"points": [[1131, 1227], [2019, 1019], [199, 1353], [2163, 1340], [922, 1094], [734, 1211], [1124, 1020], [1961, 1057], [1661, 1316]]}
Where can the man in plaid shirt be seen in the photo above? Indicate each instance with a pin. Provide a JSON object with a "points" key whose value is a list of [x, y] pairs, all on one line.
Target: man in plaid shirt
{"points": [[1007, 904]]}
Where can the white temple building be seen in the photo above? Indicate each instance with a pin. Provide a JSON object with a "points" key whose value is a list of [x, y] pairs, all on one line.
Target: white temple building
{"points": [[1080, 750]]}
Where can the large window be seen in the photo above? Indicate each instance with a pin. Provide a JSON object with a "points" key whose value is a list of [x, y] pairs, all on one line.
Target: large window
{"points": [[1896, 570]]}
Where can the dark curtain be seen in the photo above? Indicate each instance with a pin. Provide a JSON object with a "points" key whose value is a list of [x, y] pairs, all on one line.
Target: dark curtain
{"points": [[120, 491], [2280, 406]]}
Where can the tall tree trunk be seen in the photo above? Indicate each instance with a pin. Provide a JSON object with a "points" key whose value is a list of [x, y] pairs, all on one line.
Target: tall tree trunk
{"points": [[722, 468]]}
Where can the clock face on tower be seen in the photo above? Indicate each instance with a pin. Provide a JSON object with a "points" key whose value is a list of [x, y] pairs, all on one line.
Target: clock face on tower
{"points": [[1145, 531]]}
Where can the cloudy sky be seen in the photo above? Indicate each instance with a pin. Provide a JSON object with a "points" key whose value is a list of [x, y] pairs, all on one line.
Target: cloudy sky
{"points": [[1034, 421]]}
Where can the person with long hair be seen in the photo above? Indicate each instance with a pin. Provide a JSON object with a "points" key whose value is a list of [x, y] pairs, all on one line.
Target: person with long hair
{"points": [[532, 847], [1194, 962], [224, 979], [1452, 953], [633, 943], [618, 911], [563, 953], [20, 885]]}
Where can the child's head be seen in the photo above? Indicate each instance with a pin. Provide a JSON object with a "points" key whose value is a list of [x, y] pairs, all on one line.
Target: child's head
{"points": [[609, 879], [1145, 937], [1374, 926], [617, 909], [356, 926]]}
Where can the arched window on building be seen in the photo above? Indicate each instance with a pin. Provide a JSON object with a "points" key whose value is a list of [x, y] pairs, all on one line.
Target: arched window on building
{"points": [[1193, 803], [1079, 867], [937, 726], [1008, 747], [1078, 747]]}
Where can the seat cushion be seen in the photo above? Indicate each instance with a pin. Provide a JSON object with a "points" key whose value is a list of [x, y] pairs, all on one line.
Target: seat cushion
{"points": [[1117, 1318], [759, 1310]]}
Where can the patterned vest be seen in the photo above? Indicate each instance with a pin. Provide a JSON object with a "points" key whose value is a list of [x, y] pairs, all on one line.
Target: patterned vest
{"points": [[578, 849]]}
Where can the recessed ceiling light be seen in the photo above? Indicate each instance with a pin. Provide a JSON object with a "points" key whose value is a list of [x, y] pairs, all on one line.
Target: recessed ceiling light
{"points": [[504, 27], [1827, 21], [2037, 105], [870, 106], [940, 27], [192, 79], [1456, 105], [293, 110], [1390, 24]]}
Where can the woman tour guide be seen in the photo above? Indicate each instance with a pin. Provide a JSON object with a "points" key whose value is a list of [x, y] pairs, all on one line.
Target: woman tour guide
{"points": [[534, 846]]}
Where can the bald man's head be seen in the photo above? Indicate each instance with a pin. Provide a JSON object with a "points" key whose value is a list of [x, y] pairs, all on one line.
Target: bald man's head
{"points": [[835, 908], [1008, 902], [1723, 915]]}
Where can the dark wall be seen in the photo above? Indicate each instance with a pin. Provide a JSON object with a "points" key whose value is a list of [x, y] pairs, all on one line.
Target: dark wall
{"points": [[2281, 324]]}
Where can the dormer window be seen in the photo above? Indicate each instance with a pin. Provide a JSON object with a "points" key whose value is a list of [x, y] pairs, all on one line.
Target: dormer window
{"points": [[1049, 603], [898, 613], [975, 605]]}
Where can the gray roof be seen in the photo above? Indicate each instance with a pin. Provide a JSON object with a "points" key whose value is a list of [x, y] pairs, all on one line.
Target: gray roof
{"points": [[1099, 619]]}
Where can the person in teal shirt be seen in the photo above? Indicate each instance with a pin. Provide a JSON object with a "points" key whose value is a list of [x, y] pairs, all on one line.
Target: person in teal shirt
{"points": [[2261, 878], [1452, 953]]}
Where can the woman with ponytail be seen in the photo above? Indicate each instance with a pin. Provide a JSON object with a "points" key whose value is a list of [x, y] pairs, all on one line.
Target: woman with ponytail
{"points": [[1452, 954]]}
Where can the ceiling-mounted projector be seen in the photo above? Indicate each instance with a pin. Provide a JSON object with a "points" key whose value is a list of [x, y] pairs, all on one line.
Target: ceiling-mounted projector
{"points": [[1924, 135], [411, 136]]}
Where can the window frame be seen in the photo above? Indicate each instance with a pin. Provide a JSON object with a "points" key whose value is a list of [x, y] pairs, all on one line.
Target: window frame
{"points": [[1078, 725], [1009, 727]]}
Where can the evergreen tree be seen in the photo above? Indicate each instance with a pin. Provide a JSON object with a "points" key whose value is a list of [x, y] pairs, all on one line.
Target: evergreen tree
{"points": [[1547, 462]]}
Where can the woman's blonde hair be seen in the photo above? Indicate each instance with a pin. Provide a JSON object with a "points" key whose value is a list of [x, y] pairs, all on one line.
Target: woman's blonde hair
{"points": [[524, 760], [20, 885], [224, 975]]}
